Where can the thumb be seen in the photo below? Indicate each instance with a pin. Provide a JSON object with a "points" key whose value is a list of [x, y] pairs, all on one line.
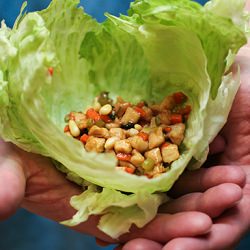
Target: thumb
{"points": [[12, 186]]}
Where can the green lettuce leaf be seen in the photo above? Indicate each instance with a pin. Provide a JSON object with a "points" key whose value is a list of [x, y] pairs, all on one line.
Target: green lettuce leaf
{"points": [[161, 48], [118, 210], [212, 24]]}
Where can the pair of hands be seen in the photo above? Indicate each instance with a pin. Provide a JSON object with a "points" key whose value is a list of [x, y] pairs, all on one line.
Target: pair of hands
{"points": [[211, 209]]}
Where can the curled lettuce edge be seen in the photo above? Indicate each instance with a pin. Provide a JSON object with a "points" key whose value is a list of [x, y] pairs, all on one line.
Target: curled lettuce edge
{"points": [[32, 114]]}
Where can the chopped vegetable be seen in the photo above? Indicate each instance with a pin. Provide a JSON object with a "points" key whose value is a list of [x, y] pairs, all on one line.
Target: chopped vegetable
{"points": [[123, 156], [129, 170], [179, 97], [84, 138], [92, 114], [51, 71], [143, 135], [148, 164], [140, 111], [175, 118]]}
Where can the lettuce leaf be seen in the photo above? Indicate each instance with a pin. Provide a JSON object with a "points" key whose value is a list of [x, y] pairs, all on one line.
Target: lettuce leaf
{"points": [[212, 24], [160, 48]]}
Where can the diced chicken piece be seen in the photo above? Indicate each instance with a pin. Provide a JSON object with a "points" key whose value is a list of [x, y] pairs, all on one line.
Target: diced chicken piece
{"points": [[157, 171], [121, 107], [117, 132], [81, 120], [170, 153], [168, 103], [176, 134], [99, 132], [153, 123], [95, 144], [110, 143], [131, 132], [123, 146], [165, 117], [112, 125], [154, 154], [126, 164], [156, 138], [130, 116], [156, 109], [138, 143], [148, 113], [137, 158]]}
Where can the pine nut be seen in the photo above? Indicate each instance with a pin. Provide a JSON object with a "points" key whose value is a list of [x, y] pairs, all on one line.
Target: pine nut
{"points": [[132, 132], [96, 105], [110, 143], [105, 110], [73, 128]]}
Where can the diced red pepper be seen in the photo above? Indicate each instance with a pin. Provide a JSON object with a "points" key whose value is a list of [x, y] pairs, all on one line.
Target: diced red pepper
{"points": [[175, 118], [167, 129], [106, 118], [84, 138], [129, 170], [164, 145], [179, 97], [66, 128], [123, 157], [140, 111], [143, 135], [51, 71], [92, 114], [185, 110]]}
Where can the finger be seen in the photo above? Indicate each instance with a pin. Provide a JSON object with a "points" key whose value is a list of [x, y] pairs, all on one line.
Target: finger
{"points": [[166, 226], [224, 234], [218, 239], [218, 145], [213, 202], [204, 178], [12, 183], [142, 244]]}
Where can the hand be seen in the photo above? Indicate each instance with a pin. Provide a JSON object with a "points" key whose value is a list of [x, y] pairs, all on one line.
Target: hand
{"points": [[33, 182], [230, 227], [234, 141]]}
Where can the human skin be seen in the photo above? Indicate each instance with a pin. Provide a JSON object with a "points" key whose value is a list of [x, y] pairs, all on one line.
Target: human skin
{"points": [[234, 142]]}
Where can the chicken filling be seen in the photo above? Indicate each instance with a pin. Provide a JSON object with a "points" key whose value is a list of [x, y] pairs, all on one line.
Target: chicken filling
{"points": [[144, 138]]}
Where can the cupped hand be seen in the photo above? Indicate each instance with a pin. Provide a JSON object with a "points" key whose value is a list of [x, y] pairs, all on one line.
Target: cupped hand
{"points": [[231, 226], [31, 181], [234, 141]]}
